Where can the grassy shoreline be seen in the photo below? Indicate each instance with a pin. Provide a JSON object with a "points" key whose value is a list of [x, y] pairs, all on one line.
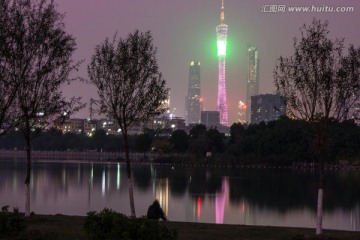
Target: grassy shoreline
{"points": [[71, 227]]}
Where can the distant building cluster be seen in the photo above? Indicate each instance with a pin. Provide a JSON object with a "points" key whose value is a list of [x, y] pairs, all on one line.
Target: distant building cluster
{"points": [[267, 107], [89, 126]]}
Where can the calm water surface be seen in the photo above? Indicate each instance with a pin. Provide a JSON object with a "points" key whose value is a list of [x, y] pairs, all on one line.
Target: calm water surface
{"points": [[192, 194]]}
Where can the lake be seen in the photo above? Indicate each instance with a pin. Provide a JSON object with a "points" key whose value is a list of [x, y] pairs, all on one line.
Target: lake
{"points": [[268, 197]]}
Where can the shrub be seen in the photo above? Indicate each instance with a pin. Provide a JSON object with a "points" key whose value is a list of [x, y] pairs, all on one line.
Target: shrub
{"points": [[11, 223], [111, 225]]}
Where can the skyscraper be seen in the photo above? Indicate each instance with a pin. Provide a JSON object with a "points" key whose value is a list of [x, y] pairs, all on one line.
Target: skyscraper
{"points": [[221, 33], [252, 84], [193, 98]]}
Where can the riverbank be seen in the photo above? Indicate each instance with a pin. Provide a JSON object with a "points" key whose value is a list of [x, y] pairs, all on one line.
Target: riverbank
{"points": [[154, 159], [58, 227]]}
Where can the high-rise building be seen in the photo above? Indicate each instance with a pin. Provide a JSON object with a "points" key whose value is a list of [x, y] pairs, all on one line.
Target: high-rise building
{"points": [[192, 102], [210, 118], [221, 33], [267, 107], [252, 83]]}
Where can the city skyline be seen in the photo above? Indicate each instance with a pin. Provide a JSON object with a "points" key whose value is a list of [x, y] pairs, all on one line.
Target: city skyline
{"points": [[184, 30]]}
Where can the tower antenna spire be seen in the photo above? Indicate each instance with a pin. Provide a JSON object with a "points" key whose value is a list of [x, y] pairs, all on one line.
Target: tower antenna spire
{"points": [[222, 16]]}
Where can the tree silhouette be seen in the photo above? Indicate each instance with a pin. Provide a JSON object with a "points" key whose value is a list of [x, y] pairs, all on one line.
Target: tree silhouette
{"points": [[130, 86], [319, 84], [38, 60]]}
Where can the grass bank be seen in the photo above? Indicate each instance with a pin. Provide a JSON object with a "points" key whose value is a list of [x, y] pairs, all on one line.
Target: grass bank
{"points": [[60, 227]]}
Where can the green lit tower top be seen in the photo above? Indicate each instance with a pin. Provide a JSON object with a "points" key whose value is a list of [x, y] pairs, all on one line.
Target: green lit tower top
{"points": [[221, 34]]}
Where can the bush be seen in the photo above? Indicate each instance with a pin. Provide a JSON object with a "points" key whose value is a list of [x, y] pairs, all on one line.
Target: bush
{"points": [[11, 223], [111, 225]]}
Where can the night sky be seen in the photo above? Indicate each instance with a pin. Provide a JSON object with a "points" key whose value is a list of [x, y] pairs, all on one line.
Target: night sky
{"points": [[184, 30]]}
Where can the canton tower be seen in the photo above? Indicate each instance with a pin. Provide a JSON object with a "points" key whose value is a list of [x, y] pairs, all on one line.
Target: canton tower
{"points": [[221, 34]]}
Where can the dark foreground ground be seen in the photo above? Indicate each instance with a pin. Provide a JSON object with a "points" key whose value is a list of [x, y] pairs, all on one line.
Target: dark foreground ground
{"points": [[71, 227]]}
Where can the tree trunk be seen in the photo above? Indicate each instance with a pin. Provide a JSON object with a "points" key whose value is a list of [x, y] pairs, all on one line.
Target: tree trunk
{"points": [[27, 200], [319, 212], [320, 200], [128, 171], [28, 172]]}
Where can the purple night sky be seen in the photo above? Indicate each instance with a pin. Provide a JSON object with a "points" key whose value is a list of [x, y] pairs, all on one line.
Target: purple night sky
{"points": [[184, 30]]}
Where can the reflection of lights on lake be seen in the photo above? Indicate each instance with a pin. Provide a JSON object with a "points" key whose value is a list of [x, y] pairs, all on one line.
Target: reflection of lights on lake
{"points": [[118, 177], [220, 202], [198, 207], [108, 178], [103, 182], [64, 175], [162, 193], [92, 175]]}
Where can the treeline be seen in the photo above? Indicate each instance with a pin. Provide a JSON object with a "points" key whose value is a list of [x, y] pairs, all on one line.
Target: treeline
{"points": [[283, 142]]}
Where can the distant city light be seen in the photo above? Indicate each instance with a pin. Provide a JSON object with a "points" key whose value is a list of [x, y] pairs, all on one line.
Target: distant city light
{"points": [[242, 105]]}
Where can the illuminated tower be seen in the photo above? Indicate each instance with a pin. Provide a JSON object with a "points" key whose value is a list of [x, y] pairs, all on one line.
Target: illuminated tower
{"points": [[252, 84], [193, 103], [221, 34]]}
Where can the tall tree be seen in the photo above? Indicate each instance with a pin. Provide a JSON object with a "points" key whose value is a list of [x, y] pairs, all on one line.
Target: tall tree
{"points": [[130, 86], [9, 83], [37, 57], [320, 83]]}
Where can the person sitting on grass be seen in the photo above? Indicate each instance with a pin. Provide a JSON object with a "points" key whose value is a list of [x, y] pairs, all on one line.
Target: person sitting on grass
{"points": [[155, 212]]}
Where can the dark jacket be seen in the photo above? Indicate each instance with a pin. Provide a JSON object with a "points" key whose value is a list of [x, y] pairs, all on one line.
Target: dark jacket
{"points": [[155, 212]]}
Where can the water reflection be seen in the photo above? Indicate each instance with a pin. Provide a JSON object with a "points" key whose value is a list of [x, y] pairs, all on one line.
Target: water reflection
{"points": [[220, 201], [235, 196]]}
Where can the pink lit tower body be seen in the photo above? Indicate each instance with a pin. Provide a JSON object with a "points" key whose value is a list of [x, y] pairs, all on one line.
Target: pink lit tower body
{"points": [[221, 34]]}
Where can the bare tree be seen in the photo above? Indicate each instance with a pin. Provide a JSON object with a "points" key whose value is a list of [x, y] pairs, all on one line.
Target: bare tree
{"points": [[37, 56], [8, 85], [319, 85], [8, 89], [130, 87]]}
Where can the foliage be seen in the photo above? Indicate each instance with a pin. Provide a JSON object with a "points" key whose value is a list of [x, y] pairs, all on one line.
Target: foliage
{"points": [[130, 86], [109, 224], [143, 142], [319, 85], [162, 146], [318, 81], [11, 222], [280, 142], [36, 54], [180, 140], [215, 141], [125, 72]]}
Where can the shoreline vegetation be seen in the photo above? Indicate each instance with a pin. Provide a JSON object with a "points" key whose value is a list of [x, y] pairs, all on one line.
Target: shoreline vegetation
{"points": [[167, 160], [284, 142], [72, 227]]}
